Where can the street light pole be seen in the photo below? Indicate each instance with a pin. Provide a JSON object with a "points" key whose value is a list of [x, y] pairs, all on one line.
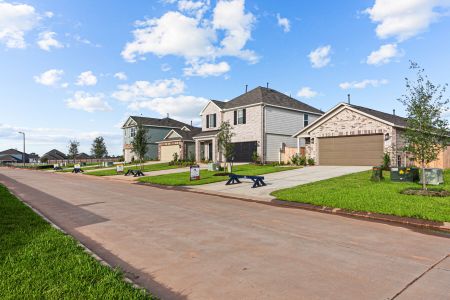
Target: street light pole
{"points": [[23, 153]]}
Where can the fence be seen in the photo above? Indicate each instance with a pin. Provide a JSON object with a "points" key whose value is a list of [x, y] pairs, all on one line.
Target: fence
{"points": [[285, 156]]}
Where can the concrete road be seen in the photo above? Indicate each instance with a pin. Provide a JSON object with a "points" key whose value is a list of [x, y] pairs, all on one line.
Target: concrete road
{"points": [[183, 245], [281, 180]]}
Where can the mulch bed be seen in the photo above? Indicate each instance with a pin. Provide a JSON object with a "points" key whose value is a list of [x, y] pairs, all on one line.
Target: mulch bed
{"points": [[429, 193]]}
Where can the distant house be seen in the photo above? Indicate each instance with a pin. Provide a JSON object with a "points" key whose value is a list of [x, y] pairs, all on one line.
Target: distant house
{"points": [[33, 157], [82, 155], [53, 155], [157, 130], [179, 141], [263, 122], [13, 156]]}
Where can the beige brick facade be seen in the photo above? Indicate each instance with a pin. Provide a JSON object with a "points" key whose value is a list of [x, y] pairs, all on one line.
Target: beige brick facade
{"points": [[348, 122]]}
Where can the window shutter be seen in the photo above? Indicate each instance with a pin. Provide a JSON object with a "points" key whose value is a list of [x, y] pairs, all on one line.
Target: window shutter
{"points": [[215, 124], [207, 121], [244, 113], [235, 117]]}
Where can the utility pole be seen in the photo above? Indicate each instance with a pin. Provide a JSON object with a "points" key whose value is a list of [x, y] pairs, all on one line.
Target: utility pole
{"points": [[23, 153]]}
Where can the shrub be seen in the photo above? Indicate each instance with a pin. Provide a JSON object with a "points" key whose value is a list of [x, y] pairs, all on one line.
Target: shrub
{"points": [[386, 162], [302, 161], [175, 157], [295, 159], [311, 162], [255, 158]]}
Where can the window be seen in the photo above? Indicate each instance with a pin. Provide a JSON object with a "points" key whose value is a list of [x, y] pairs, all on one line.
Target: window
{"points": [[307, 141], [211, 121], [240, 116], [305, 120], [133, 132]]}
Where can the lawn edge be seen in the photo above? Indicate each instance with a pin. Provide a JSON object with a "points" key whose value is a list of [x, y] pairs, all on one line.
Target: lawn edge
{"points": [[367, 216], [85, 248]]}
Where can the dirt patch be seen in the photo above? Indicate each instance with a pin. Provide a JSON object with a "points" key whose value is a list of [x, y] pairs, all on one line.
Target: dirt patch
{"points": [[429, 193]]}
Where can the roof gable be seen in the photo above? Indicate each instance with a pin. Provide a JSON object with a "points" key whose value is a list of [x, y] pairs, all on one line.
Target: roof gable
{"points": [[155, 122]]}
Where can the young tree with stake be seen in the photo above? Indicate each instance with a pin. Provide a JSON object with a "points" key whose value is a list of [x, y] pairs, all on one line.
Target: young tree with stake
{"points": [[73, 149], [427, 131], [139, 143], [224, 139]]}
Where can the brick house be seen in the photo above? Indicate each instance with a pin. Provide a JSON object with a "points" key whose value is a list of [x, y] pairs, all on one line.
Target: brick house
{"points": [[179, 141], [263, 121], [355, 135]]}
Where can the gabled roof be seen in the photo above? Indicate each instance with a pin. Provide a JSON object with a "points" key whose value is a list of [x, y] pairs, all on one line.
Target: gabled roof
{"points": [[185, 135], [164, 122], [394, 119], [207, 133], [271, 97], [390, 119], [9, 158], [11, 152], [82, 155], [55, 155], [220, 104]]}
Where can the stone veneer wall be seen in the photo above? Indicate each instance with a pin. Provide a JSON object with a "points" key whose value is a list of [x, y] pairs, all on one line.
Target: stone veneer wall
{"points": [[347, 123]]}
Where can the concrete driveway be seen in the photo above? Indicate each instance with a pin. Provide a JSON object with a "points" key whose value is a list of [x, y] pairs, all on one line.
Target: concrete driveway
{"points": [[183, 245], [281, 180]]}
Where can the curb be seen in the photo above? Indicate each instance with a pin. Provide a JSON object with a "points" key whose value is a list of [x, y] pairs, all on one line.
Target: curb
{"points": [[368, 216]]}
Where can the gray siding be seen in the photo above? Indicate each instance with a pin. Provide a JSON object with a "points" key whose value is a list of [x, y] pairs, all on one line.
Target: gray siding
{"points": [[156, 134], [273, 144], [283, 121]]}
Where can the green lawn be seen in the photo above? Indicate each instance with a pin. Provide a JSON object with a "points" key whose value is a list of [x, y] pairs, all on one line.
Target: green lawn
{"points": [[146, 168], [206, 176], [38, 261], [357, 192]]}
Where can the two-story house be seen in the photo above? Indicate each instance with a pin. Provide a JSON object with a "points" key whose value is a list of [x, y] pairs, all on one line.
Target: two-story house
{"points": [[157, 130], [263, 121]]}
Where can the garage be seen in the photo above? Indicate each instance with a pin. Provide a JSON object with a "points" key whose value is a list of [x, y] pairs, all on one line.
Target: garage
{"points": [[243, 151], [360, 150], [167, 152]]}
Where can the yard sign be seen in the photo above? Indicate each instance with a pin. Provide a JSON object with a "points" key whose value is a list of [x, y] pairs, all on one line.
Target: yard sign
{"points": [[119, 168], [77, 166], [195, 172]]}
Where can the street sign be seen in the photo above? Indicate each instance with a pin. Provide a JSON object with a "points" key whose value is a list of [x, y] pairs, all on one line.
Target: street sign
{"points": [[195, 172]]}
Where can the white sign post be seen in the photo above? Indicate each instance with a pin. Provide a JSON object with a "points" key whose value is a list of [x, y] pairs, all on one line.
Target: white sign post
{"points": [[195, 172], [119, 168]]}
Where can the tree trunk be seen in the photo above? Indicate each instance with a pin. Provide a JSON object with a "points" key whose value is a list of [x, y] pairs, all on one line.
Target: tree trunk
{"points": [[424, 184]]}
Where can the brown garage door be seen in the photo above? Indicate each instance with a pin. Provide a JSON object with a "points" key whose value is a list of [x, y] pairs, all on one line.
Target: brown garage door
{"points": [[360, 150]]}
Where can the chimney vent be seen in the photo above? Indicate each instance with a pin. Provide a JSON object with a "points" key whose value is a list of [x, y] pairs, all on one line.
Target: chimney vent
{"points": [[167, 115], [246, 88], [267, 85], [393, 112], [348, 98], [191, 123]]}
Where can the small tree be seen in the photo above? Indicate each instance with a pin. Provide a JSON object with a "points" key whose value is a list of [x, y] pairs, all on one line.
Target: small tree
{"points": [[98, 149], [139, 143], [73, 149], [427, 131], [224, 139]]}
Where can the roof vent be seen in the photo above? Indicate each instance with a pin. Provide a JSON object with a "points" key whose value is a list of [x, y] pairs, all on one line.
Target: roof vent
{"points": [[167, 115], [348, 98], [393, 112], [267, 85], [246, 88]]}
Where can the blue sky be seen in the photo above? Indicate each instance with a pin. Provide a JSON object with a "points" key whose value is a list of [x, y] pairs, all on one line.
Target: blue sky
{"points": [[76, 69]]}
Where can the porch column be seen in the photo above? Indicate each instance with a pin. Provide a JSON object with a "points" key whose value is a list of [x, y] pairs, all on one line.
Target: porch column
{"points": [[197, 150], [298, 145]]}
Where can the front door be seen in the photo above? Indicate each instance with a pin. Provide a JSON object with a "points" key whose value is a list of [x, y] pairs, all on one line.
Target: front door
{"points": [[210, 151]]}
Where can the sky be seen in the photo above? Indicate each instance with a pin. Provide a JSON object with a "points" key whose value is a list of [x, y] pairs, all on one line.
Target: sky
{"points": [[78, 69]]}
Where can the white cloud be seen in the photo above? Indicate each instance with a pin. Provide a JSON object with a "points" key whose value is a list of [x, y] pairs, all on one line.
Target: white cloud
{"points": [[15, 21], [207, 69], [320, 57], [41, 140], [183, 108], [196, 8], [195, 38], [307, 92], [404, 19], [384, 55], [165, 67], [47, 40], [284, 23], [120, 76], [50, 77], [144, 90], [362, 84], [88, 102], [86, 78]]}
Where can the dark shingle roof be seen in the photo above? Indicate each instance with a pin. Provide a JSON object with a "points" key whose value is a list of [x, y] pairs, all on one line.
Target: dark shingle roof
{"points": [[83, 155], [394, 119], [9, 158], [268, 96], [185, 135], [220, 104], [12, 152], [165, 122], [54, 154], [207, 133]]}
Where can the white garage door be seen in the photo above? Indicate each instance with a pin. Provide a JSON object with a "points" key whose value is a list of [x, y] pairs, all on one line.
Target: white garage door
{"points": [[168, 151]]}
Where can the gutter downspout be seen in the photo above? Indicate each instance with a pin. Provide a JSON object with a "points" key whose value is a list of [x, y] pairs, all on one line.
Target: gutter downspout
{"points": [[263, 132]]}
